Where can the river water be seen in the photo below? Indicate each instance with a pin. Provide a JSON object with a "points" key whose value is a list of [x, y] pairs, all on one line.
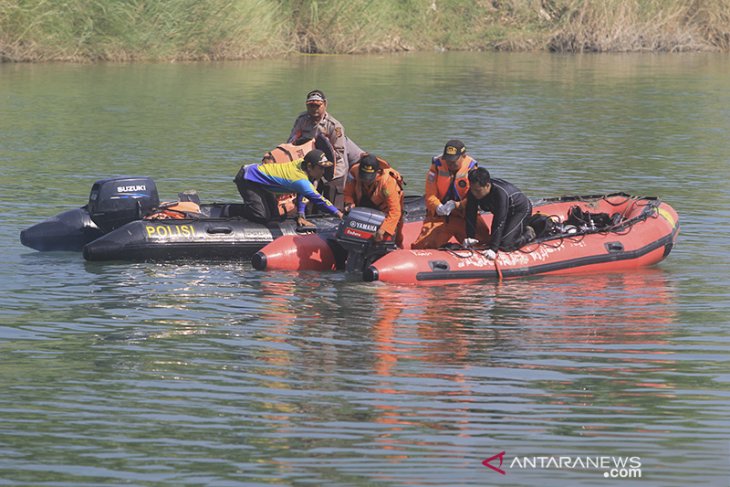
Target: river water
{"points": [[212, 373]]}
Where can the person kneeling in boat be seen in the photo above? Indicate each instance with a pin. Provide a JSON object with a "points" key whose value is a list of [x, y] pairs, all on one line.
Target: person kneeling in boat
{"points": [[372, 183], [509, 206], [258, 184], [447, 185]]}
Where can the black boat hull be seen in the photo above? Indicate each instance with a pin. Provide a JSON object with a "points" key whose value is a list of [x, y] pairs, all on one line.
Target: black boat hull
{"points": [[214, 239], [217, 238], [67, 231]]}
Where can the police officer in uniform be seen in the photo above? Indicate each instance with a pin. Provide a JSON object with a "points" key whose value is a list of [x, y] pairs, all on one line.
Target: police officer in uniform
{"points": [[317, 120]]}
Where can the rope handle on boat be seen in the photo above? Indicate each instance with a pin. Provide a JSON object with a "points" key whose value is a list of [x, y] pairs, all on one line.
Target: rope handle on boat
{"points": [[466, 253], [498, 268]]}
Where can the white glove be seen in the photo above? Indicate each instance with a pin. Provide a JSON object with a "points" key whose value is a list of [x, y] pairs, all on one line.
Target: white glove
{"points": [[470, 242], [445, 209], [490, 254]]}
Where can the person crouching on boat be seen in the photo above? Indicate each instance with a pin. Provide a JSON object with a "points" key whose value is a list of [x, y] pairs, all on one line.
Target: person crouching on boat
{"points": [[372, 183], [258, 184], [509, 206], [447, 185]]}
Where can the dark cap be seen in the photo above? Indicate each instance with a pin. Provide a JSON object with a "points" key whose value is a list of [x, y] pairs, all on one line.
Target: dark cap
{"points": [[316, 96], [453, 150], [369, 163], [368, 168], [316, 157]]}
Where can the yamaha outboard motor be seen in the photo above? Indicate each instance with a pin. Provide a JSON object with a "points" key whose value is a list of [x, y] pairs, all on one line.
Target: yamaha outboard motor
{"points": [[356, 235], [117, 201]]}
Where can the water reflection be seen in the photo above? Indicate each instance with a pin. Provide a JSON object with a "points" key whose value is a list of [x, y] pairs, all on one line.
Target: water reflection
{"points": [[381, 381], [425, 372], [212, 373], [411, 329]]}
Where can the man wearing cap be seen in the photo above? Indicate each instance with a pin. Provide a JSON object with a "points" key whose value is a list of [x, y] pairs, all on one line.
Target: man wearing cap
{"points": [[447, 186], [317, 120], [258, 184], [372, 183]]}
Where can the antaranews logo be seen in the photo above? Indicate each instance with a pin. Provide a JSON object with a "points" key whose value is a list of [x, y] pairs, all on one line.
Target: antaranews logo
{"points": [[611, 467], [487, 463]]}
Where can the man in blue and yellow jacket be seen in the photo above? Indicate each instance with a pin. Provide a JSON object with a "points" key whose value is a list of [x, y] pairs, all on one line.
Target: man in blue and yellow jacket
{"points": [[258, 185]]}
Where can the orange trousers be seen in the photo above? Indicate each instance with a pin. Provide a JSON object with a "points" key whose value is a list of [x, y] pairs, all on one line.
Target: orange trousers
{"points": [[437, 231]]}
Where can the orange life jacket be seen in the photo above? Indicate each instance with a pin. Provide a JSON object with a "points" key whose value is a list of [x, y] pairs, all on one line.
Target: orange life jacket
{"points": [[443, 179], [289, 152], [387, 172], [388, 180], [177, 210]]}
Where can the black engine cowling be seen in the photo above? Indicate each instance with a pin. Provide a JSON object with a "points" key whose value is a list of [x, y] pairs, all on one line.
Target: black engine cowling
{"points": [[117, 201], [112, 203], [356, 235]]}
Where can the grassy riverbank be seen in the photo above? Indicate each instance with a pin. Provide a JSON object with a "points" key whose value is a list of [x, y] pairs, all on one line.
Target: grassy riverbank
{"points": [[127, 30]]}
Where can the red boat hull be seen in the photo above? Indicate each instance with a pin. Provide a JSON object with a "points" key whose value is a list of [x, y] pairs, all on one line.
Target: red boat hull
{"points": [[646, 238], [645, 242]]}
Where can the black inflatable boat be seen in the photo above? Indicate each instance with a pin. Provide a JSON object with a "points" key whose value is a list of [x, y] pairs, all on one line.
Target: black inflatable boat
{"points": [[111, 227]]}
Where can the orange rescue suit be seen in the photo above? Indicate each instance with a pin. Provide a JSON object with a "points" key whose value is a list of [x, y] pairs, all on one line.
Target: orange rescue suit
{"points": [[385, 194], [442, 186], [439, 181]]}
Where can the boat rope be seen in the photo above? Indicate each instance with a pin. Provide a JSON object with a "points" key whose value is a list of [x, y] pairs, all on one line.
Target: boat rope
{"points": [[621, 228]]}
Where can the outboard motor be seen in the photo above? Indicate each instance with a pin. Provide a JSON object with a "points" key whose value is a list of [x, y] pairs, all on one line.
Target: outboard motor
{"points": [[356, 235], [117, 201], [112, 203]]}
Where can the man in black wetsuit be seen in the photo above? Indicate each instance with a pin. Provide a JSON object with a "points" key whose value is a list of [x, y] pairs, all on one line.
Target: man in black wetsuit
{"points": [[509, 206]]}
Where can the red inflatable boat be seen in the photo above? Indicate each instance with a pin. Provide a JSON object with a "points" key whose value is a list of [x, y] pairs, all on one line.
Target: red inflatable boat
{"points": [[628, 232]]}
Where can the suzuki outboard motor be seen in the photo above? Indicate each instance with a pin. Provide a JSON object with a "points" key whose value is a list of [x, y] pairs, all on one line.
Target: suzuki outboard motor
{"points": [[356, 235], [114, 202]]}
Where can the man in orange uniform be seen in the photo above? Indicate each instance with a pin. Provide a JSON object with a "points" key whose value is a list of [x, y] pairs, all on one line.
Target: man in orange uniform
{"points": [[447, 186], [372, 183]]}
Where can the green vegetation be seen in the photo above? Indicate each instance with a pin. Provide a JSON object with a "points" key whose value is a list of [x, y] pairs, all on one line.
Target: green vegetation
{"points": [[126, 30]]}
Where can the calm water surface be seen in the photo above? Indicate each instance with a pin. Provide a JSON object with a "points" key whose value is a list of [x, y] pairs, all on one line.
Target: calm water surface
{"points": [[208, 373]]}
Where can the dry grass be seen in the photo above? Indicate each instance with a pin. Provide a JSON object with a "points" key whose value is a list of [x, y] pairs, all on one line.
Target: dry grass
{"points": [[128, 30], [636, 25]]}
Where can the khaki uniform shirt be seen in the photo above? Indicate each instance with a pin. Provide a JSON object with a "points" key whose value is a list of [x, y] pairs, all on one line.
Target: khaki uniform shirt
{"points": [[305, 126]]}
